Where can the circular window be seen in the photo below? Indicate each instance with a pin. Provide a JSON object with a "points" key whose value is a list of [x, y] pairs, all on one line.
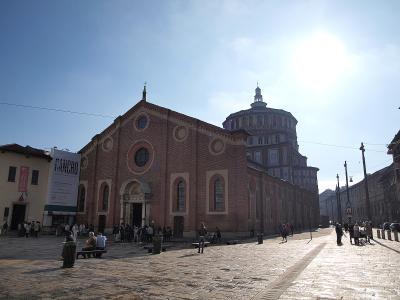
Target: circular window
{"points": [[142, 122], [141, 157], [180, 133], [108, 144], [217, 146], [84, 162]]}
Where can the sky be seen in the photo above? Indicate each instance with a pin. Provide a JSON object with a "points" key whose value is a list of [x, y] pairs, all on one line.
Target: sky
{"points": [[335, 65]]}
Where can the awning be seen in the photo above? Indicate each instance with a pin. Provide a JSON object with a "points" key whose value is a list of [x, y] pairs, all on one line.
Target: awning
{"points": [[60, 209]]}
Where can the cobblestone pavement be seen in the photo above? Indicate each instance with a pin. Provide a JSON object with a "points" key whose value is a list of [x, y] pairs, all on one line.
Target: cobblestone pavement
{"points": [[298, 269]]}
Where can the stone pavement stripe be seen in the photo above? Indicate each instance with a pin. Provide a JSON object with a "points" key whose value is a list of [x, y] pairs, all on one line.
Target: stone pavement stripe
{"points": [[279, 286]]}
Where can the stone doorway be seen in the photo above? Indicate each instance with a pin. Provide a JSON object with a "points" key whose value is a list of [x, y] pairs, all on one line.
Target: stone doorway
{"points": [[135, 210]]}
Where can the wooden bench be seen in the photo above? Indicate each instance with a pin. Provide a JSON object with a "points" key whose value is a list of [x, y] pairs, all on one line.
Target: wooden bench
{"points": [[232, 242], [196, 244], [149, 248], [92, 253]]}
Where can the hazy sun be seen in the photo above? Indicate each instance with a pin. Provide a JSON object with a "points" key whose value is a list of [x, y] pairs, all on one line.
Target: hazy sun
{"points": [[319, 60]]}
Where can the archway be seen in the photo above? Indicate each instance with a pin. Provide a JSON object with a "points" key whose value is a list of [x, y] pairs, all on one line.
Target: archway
{"points": [[134, 207]]}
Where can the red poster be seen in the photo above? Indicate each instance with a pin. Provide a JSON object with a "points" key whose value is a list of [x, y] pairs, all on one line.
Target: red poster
{"points": [[23, 179]]}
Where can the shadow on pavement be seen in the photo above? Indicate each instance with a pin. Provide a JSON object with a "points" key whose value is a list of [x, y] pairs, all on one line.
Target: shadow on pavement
{"points": [[188, 255], [43, 270], [397, 251]]}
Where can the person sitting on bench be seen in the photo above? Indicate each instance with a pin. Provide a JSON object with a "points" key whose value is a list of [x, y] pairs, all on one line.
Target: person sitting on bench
{"points": [[101, 241], [90, 243]]}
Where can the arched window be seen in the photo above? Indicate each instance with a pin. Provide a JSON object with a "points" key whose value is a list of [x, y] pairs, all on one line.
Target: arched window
{"points": [[104, 197], [180, 195], [81, 198], [218, 195]]}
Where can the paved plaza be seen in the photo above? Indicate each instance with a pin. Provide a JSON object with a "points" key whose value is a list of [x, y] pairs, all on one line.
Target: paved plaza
{"points": [[298, 269]]}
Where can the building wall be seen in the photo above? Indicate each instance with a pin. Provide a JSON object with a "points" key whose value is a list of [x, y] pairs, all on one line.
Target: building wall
{"points": [[273, 201], [188, 150], [172, 152], [36, 195]]}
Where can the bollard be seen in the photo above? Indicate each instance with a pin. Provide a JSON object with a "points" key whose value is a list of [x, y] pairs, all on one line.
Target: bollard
{"points": [[378, 233], [68, 254], [383, 234], [260, 238], [389, 235], [157, 241], [396, 236]]}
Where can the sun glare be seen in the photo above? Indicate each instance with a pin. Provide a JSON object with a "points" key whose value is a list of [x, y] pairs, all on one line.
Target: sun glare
{"points": [[319, 60]]}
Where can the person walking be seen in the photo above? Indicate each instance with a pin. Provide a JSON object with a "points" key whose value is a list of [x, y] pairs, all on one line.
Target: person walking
{"points": [[356, 234], [5, 228], [284, 232], [27, 227], [351, 233], [339, 233], [36, 228], [368, 232], [202, 236]]}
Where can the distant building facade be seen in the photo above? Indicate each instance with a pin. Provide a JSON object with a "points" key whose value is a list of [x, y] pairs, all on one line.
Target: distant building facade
{"points": [[394, 150], [272, 142], [36, 185], [382, 197], [325, 205], [156, 166], [23, 183]]}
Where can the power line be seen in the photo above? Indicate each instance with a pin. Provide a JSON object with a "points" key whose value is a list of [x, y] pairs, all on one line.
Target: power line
{"points": [[113, 117], [339, 146], [58, 110]]}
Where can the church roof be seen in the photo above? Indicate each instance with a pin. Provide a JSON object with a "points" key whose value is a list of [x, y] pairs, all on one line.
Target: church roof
{"points": [[258, 110], [236, 135]]}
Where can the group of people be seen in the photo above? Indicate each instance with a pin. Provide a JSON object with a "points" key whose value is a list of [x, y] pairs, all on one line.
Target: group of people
{"points": [[75, 229], [285, 229], [69, 249], [356, 232], [29, 229], [144, 234]]}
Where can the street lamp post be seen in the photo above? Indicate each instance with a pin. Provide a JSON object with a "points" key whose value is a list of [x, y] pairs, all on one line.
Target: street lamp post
{"points": [[348, 204], [339, 205], [366, 184]]}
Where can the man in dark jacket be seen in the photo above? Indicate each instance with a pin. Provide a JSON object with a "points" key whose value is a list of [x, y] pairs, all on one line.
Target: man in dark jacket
{"points": [[339, 233], [202, 236]]}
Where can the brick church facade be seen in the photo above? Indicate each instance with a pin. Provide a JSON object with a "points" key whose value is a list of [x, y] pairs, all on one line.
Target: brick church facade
{"points": [[156, 166]]}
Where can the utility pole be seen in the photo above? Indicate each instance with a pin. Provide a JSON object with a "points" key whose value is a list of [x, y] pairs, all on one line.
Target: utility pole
{"points": [[366, 184], [339, 205], [348, 204]]}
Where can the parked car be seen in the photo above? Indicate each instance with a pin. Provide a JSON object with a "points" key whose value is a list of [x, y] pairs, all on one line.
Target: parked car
{"points": [[395, 226], [386, 226]]}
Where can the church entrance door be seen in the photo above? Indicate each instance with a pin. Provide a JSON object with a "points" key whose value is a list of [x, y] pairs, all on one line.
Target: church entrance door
{"points": [[18, 215], [136, 214], [102, 223], [178, 226]]}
